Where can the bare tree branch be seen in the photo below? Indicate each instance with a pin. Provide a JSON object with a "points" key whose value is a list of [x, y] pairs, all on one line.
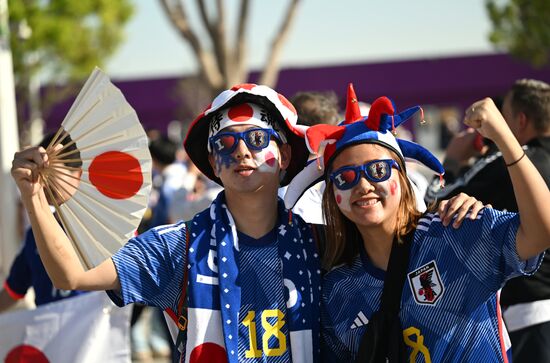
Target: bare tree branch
{"points": [[178, 17], [240, 49], [271, 70], [220, 43], [204, 17], [216, 31], [223, 58]]}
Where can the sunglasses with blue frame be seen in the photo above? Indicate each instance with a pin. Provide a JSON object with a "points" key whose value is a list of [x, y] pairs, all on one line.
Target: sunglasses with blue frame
{"points": [[255, 139], [375, 171]]}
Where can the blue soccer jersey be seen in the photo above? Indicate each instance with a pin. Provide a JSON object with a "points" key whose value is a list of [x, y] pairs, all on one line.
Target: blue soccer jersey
{"points": [[150, 269], [449, 306], [262, 300], [27, 270]]}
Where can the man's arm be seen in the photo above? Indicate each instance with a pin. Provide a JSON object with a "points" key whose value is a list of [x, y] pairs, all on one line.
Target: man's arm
{"points": [[57, 254], [459, 152]]}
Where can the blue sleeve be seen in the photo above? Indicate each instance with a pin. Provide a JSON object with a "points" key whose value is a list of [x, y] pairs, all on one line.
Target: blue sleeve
{"points": [[150, 267], [20, 278], [487, 246]]}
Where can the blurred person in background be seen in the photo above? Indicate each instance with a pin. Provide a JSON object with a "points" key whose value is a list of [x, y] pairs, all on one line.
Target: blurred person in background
{"points": [[313, 108], [195, 194], [525, 300], [169, 174], [27, 270], [149, 334]]}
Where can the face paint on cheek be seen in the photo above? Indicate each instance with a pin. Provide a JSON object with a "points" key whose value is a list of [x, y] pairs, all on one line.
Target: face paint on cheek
{"points": [[266, 160], [393, 187], [387, 189], [223, 161], [342, 199]]}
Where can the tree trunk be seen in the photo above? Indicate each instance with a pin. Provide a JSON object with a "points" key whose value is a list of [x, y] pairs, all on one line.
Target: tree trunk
{"points": [[225, 64]]}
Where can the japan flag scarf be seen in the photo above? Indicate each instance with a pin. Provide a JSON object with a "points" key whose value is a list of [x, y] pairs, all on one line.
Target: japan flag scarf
{"points": [[214, 291]]}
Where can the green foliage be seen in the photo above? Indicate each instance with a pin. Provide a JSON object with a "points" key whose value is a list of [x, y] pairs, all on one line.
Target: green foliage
{"points": [[65, 37], [522, 27]]}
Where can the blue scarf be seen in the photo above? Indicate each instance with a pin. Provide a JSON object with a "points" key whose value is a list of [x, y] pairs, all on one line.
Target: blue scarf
{"points": [[214, 291]]}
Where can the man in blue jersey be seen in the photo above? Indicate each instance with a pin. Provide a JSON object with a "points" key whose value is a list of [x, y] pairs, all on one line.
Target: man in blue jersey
{"points": [[252, 268], [247, 268], [27, 269]]}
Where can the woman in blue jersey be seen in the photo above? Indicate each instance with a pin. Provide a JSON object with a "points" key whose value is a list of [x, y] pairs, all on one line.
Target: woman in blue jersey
{"points": [[448, 309]]}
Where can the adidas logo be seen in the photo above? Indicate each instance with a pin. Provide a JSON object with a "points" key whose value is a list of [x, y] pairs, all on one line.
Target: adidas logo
{"points": [[359, 321]]}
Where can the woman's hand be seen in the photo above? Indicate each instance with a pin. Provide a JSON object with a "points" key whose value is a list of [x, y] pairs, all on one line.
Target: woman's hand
{"points": [[459, 206], [485, 117]]}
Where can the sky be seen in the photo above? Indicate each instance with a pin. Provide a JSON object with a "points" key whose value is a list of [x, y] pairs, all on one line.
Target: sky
{"points": [[325, 32]]}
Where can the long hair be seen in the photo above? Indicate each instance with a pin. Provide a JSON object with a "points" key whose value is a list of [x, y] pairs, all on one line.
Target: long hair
{"points": [[343, 238]]}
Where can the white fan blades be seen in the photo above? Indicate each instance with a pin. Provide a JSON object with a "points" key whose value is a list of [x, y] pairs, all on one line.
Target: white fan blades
{"points": [[112, 195]]}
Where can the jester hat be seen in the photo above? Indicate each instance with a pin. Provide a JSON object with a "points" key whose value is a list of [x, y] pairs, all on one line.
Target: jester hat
{"points": [[284, 118], [327, 141]]}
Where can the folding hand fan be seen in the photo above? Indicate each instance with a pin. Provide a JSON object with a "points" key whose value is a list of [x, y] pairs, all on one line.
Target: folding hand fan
{"points": [[108, 200]]}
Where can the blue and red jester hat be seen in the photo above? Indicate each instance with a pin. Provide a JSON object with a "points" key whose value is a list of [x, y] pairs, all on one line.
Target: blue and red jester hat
{"points": [[327, 141]]}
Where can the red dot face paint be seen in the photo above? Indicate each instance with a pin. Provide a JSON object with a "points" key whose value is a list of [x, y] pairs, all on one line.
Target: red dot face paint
{"points": [[266, 159], [338, 198], [393, 187], [270, 159]]}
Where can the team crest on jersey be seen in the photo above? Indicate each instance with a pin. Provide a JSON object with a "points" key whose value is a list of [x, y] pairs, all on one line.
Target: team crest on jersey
{"points": [[426, 285]]}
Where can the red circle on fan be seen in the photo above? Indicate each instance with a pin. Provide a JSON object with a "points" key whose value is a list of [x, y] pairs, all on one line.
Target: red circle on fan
{"points": [[208, 352], [26, 354], [116, 174]]}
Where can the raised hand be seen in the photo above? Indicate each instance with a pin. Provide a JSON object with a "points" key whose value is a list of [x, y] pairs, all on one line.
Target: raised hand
{"points": [[25, 169], [485, 117]]}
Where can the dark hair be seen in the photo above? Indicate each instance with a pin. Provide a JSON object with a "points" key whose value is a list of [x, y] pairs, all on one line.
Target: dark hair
{"points": [[71, 150], [163, 150], [532, 98], [343, 238], [316, 108]]}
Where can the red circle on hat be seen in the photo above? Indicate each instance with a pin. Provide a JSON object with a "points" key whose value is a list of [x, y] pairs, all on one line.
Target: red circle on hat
{"points": [[247, 86], [286, 103], [240, 113], [26, 354]]}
